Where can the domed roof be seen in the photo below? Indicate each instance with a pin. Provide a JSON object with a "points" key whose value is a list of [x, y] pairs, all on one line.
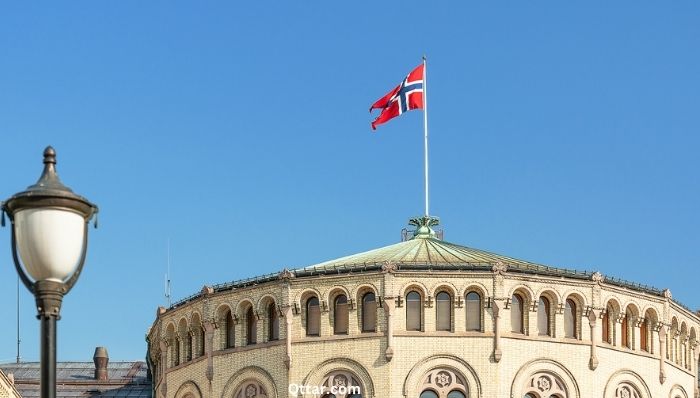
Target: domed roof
{"points": [[423, 252]]}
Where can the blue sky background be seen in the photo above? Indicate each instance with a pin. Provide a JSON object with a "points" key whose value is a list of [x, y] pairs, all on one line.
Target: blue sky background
{"points": [[565, 134]]}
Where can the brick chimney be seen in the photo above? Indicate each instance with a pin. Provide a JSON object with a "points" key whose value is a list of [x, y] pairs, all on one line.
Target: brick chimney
{"points": [[101, 359]]}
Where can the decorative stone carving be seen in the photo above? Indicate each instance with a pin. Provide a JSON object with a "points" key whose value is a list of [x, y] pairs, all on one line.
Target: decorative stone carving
{"points": [[250, 389], [443, 381], [626, 390], [545, 384], [285, 275], [345, 384], [389, 267], [499, 268], [667, 294], [597, 277], [207, 290]]}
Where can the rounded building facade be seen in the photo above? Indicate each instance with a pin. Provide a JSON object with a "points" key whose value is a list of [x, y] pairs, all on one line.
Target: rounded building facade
{"points": [[425, 318]]}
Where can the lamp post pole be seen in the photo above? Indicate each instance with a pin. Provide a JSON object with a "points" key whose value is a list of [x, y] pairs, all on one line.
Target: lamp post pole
{"points": [[49, 244]]}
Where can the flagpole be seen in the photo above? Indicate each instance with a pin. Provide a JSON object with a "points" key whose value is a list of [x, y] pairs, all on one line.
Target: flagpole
{"points": [[425, 130]]}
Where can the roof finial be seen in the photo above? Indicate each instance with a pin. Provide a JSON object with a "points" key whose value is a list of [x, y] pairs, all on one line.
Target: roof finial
{"points": [[423, 226]]}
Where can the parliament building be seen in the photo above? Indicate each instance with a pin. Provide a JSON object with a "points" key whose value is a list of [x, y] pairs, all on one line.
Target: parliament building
{"points": [[425, 318]]}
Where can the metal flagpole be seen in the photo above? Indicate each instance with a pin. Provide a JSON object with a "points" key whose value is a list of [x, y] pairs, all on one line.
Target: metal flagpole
{"points": [[425, 129]]}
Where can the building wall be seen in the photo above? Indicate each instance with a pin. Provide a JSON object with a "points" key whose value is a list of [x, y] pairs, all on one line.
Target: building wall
{"points": [[493, 362], [7, 389]]}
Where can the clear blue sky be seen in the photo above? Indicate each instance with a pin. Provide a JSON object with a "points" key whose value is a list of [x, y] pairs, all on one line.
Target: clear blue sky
{"points": [[561, 134]]}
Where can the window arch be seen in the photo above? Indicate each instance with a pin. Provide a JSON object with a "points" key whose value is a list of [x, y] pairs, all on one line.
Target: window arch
{"points": [[473, 308], [545, 385], [230, 330], [443, 313], [313, 317], [626, 390], [250, 389], [340, 315], [369, 312], [197, 331], [570, 319], [414, 311], [342, 384], [444, 383], [608, 324], [251, 321], [273, 322], [517, 315], [543, 317]]}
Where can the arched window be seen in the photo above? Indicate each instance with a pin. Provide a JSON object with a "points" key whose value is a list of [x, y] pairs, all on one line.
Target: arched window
{"points": [[644, 335], [230, 329], [545, 385], [313, 317], [516, 314], [250, 389], [177, 351], [273, 325], [251, 326], [473, 304], [625, 331], [444, 311], [340, 315], [413, 311], [543, 310], [605, 326], [344, 384], [189, 344], [443, 383], [369, 313], [570, 319]]}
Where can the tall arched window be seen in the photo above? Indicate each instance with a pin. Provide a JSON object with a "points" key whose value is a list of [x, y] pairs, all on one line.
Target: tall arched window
{"points": [[516, 314], [369, 313], [543, 310], [251, 326], [428, 394], [230, 330], [473, 304], [340, 315], [644, 335], [444, 311], [190, 347], [570, 319], [413, 311], [625, 331], [605, 326], [273, 322], [313, 317]]}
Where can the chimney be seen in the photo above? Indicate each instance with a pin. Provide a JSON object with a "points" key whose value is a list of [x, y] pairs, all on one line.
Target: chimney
{"points": [[101, 359]]}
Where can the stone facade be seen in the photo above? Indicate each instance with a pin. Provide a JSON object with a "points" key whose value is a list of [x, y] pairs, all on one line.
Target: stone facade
{"points": [[7, 388], [652, 349]]}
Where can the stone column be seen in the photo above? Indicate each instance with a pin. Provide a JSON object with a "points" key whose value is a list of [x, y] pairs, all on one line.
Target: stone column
{"points": [[288, 332], [694, 369], [593, 323], [496, 310], [636, 323], [164, 374], [662, 352], [209, 328], [389, 305]]}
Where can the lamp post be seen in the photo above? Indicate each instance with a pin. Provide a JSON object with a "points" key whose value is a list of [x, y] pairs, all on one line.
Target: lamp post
{"points": [[49, 242]]}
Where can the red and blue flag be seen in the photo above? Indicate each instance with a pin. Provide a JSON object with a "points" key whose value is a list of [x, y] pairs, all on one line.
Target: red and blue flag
{"points": [[405, 97]]}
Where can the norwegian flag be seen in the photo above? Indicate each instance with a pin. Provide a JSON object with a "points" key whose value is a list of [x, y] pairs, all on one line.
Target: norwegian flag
{"points": [[405, 97]]}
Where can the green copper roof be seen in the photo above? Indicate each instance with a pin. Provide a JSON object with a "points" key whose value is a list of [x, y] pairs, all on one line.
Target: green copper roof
{"points": [[430, 252]]}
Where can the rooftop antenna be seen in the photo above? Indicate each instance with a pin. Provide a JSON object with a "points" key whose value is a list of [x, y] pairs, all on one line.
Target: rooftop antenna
{"points": [[168, 292], [19, 358]]}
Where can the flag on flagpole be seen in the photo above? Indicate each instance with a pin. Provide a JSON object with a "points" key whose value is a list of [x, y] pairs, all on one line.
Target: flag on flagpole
{"points": [[405, 97]]}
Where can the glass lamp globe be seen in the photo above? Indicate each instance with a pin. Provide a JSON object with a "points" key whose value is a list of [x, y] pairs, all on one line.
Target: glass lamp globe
{"points": [[49, 228]]}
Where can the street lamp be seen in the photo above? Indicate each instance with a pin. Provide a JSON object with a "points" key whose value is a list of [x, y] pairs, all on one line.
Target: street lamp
{"points": [[49, 242]]}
